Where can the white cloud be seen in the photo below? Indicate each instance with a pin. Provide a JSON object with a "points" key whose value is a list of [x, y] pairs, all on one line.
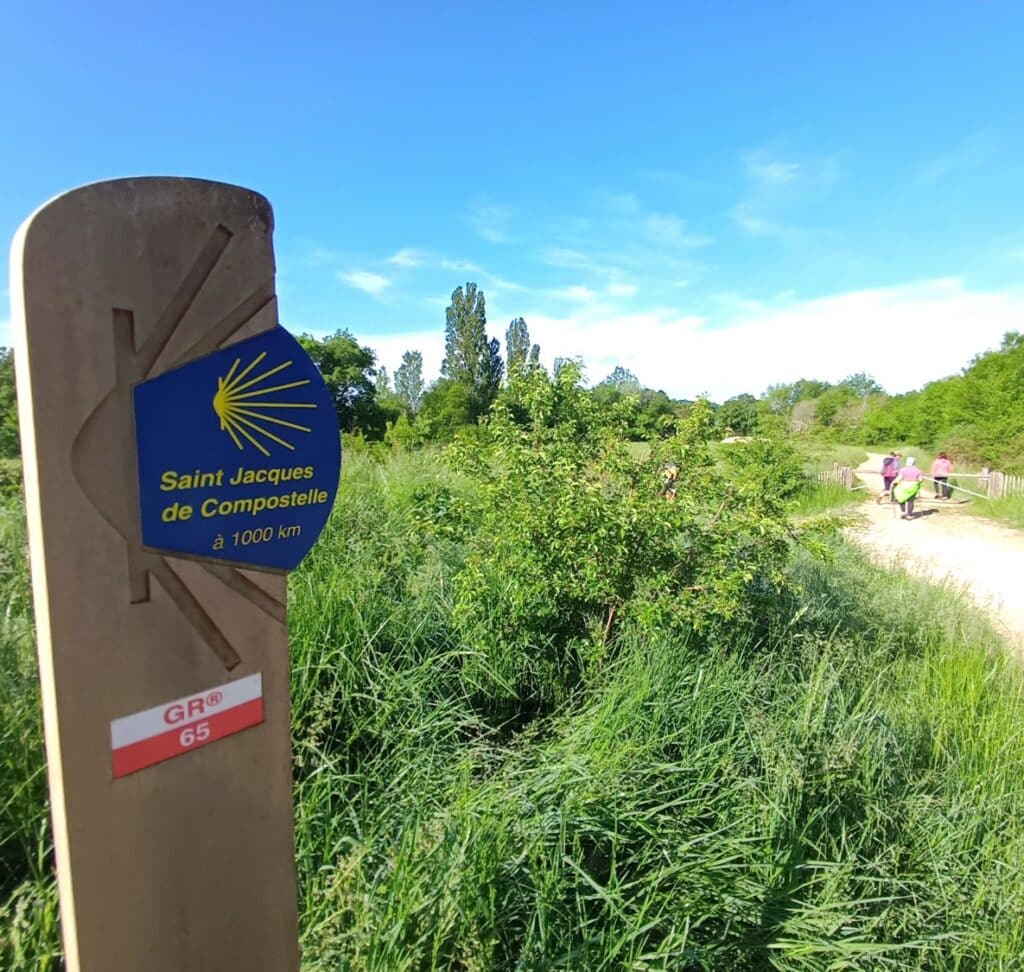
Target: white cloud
{"points": [[6, 338], [461, 266], [497, 284], [749, 218], [391, 347], [557, 256], [370, 283], [320, 256], [492, 234], [762, 166], [905, 336], [971, 153], [490, 221], [567, 259], [621, 290], [407, 257], [774, 185], [665, 230]]}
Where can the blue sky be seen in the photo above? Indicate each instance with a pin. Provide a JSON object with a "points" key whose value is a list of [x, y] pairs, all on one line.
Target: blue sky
{"points": [[717, 196]]}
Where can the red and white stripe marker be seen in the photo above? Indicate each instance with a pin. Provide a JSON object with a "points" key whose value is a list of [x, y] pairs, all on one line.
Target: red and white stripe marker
{"points": [[177, 727]]}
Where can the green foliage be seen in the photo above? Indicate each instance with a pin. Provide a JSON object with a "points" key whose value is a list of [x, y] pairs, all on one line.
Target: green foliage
{"points": [[831, 401], [975, 416], [10, 443], [448, 406], [832, 412], [517, 348], [471, 358], [771, 463], [780, 399], [647, 413], [819, 498], [575, 538], [1007, 509], [737, 416], [623, 381], [837, 783], [10, 478], [818, 793], [409, 381], [348, 371], [822, 455], [862, 385], [402, 434], [29, 931]]}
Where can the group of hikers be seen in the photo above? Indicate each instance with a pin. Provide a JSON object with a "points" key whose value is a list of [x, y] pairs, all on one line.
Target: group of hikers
{"points": [[901, 482]]}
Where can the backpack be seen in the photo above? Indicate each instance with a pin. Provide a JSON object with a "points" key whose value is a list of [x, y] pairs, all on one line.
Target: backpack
{"points": [[887, 464]]}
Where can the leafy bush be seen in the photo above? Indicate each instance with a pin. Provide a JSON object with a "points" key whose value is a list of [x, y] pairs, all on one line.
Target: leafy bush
{"points": [[10, 478], [576, 539], [829, 774]]}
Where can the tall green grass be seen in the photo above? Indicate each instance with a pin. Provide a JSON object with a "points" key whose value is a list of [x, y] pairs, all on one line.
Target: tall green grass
{"points": [[1008, 510], [840, 787], [820, 497], [817, 497], [29, 936], [816, 797], [822, 455]]}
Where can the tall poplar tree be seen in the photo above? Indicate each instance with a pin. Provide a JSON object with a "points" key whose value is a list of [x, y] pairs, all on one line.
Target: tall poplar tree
{"points": [[517, 346], [409, 380], [471, 359], [465, 335]]}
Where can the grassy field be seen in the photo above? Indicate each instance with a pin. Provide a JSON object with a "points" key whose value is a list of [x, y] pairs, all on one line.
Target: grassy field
{"points": [[836, 782], [824, 455], [1008, 510], [824, 497]]}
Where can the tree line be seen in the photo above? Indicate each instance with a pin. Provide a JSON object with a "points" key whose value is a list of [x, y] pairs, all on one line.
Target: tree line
{"points": [[976, 416], [407, 410]]}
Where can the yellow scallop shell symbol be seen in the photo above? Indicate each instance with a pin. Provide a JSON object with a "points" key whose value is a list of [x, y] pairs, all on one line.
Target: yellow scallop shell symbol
{"points": [[244, 411]]}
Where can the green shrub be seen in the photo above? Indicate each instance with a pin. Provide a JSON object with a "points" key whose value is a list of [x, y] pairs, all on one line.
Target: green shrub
{"points": [[575, 538], [830, 776], [10, 479]]}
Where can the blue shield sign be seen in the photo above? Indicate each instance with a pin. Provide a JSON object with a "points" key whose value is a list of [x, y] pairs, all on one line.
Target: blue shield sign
{"points": [[239, 454]]}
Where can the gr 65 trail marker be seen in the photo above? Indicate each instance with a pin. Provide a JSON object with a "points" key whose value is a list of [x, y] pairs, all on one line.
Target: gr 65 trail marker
{"points": [[181, 454], [166, 731]]}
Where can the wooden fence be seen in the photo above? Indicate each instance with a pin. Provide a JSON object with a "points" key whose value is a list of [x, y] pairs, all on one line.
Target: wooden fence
{"points": [[1002, 485], [836, 476], [992, 484]]}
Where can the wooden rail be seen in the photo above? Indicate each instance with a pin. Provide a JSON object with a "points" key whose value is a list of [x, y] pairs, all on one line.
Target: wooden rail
{"points": [[991, 485], [836, 476], [995, 484]]}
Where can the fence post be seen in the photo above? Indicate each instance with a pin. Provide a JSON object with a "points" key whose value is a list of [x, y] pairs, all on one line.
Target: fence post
{"points": [[847, 472], [995, 485]]}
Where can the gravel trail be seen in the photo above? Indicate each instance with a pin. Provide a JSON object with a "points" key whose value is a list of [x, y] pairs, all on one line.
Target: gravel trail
{"points": [[944, 541]]}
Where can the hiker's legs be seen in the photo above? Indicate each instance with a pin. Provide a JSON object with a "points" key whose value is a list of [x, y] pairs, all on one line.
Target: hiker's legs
{"points": [[941, 487], [910, 506]]}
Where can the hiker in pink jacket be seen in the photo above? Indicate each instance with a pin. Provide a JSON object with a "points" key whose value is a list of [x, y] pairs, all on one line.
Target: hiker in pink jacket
{"points": [[907, 486], [890, 468], [941, 469]]}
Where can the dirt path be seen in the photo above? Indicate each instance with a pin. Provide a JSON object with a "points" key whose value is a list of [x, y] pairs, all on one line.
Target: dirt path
{"points": [[946, 541]]}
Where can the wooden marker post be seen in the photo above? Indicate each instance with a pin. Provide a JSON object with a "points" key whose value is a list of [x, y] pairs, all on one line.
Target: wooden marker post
{"points": [[180, 453]]}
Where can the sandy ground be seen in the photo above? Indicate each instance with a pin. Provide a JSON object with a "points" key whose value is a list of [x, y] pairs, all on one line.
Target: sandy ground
{"points": [[945, 541]]}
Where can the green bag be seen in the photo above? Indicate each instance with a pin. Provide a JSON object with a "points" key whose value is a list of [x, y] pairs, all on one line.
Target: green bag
{"points": [[901, 492]]}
